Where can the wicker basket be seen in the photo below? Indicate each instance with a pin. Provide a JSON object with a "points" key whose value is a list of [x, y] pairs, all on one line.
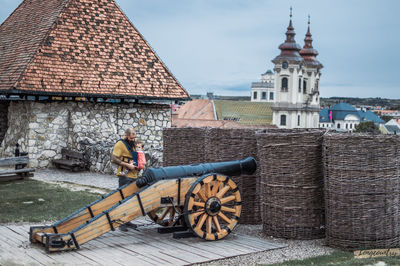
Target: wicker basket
{"points": [[292, 183], [199, 145], [183, 146], [236, 144], [362, 190]]}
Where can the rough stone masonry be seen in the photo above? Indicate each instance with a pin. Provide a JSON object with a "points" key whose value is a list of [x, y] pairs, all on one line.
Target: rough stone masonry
{"points": [[3, 119], [43, 129]]}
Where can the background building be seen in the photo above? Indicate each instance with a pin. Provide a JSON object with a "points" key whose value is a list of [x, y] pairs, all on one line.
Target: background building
{"points": [[297, 74], [344, 117], [293, 87], [391, 127], [263, 91]]}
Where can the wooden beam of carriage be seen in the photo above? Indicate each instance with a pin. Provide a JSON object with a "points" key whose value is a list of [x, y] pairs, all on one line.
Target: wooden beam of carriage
{"points": [[110, 213]]}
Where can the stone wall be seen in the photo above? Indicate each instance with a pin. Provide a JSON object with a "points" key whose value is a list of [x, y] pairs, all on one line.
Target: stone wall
{"points": [[3, 119], [42, 129]]}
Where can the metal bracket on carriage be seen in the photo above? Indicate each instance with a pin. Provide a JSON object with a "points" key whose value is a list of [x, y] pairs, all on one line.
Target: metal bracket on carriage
{"points": [[167, 200], [59, 242]]}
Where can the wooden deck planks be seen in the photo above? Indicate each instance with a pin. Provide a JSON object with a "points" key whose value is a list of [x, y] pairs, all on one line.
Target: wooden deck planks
{"points": [[135, 247], [17, 249], [124, 251], [187, 252], [21, 234], [151, 251]]}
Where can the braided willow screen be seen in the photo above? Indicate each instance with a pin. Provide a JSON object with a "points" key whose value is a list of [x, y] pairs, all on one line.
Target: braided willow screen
{"points": [[198, 145], [362, 190], [237, 144], [183, 146], [292, 183]]}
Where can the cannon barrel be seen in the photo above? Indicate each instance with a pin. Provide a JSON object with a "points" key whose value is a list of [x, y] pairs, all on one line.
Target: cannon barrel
{"points": [[229, 168]]}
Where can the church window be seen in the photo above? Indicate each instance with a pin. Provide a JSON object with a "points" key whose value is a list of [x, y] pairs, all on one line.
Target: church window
{"points": [[298, 120], [304, 86], [285, 65], [351, 126], [284, 84], [283, 120], [271, 96], [300, 85], [347, 126], [338, 125], [264, 95], [255, 95]]}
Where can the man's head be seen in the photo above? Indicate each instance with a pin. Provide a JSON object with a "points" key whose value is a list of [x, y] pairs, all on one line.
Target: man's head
{"points": [[130, 134]]}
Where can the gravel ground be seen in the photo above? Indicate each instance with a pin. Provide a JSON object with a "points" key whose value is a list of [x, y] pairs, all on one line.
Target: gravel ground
{"points": [[296, 249], [108, 182]]}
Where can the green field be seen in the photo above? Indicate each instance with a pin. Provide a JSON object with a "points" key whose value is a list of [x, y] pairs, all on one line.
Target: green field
{"points": [[35, 201], [244, 112]]}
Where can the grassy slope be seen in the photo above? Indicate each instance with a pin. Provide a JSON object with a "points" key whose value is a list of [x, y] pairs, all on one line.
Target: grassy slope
{"points": [[58, 202]]}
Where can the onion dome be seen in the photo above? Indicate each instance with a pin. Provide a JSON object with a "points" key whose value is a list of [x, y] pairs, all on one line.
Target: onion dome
{"points": [[308, 52], [289, 49]]}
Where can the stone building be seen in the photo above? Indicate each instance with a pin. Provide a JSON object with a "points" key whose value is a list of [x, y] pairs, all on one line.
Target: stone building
{"points": [[75, 74]]}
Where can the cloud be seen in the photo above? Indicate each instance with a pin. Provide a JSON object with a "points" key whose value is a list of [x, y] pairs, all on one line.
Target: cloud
{"points": [[225, 44]]}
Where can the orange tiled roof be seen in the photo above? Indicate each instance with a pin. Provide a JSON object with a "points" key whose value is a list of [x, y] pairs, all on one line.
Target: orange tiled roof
{"points": [[197, 109], [80, 47]]}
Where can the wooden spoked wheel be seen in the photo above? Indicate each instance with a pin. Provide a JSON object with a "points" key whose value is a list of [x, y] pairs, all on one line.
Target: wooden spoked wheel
{"points": [[166, 216], [213, 206]]}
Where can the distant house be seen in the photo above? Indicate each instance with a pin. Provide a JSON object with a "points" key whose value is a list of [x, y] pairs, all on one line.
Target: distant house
{"points": [[393, 113], [392, 127], [344, 117]]}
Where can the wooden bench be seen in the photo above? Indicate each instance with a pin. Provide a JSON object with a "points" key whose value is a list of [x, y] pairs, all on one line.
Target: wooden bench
{"points": [[72, 160], [20, 172]]}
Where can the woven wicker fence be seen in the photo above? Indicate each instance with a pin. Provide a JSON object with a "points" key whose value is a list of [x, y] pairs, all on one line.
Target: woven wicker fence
{"points": [[183, 146], [198, 145], [292, 183], [362, 190], [237, 144]]}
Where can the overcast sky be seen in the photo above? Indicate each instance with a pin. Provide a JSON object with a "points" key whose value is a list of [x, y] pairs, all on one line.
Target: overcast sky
{"points": [[222, 46]]}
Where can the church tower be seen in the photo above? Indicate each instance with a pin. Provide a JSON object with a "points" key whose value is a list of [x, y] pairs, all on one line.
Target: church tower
{"points": [[311, 76], [296, 83]]}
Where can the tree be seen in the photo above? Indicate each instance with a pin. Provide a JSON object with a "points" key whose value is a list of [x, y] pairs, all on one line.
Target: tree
{"points": [[367, 127], [387, 118]]}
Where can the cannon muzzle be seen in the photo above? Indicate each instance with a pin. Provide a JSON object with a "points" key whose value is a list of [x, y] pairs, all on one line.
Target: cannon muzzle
{"points": [[230, 168]]}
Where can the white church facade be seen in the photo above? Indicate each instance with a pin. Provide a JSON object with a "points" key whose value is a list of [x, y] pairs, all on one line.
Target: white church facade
{"points": [[295, 91]]}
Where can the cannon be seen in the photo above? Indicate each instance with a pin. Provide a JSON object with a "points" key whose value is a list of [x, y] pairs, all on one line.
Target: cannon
{"points": [[201, 198]]}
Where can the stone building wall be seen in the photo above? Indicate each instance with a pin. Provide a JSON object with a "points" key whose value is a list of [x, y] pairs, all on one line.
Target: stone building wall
{"points": [[42, 129], [3, 119]]}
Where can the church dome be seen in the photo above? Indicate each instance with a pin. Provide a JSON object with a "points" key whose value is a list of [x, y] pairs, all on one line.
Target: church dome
{"points": [[269, 72], [343, 107]]}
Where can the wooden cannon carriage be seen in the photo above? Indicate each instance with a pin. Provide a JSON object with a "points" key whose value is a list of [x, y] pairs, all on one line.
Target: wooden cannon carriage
{"points": [[201, 197]]}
